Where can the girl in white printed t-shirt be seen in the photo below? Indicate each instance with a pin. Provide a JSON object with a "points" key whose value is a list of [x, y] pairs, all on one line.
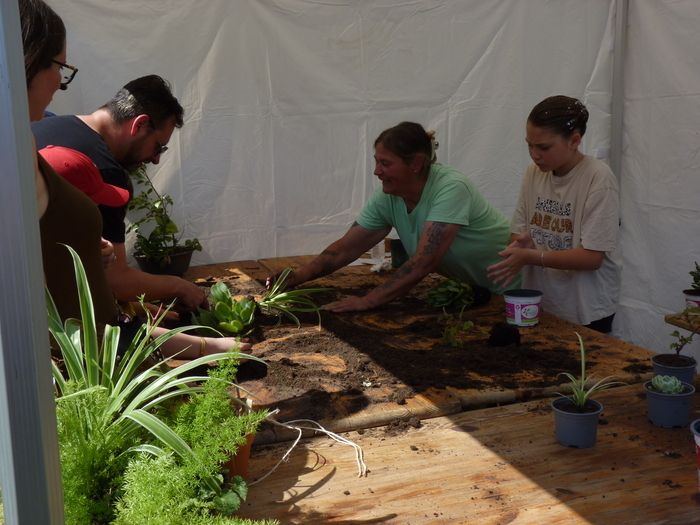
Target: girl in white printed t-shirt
{"points": [[564, 229]]}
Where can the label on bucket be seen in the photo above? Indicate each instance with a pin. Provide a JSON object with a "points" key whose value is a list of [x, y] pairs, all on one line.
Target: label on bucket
{"points": [[522, 314]]}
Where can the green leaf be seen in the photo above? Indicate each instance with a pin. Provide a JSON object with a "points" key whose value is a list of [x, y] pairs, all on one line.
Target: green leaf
{"points": [[234, 326], [223, 311]]}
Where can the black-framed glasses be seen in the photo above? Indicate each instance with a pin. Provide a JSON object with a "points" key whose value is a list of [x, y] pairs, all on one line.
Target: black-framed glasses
{"points": [[68, 76], [159, 149]]}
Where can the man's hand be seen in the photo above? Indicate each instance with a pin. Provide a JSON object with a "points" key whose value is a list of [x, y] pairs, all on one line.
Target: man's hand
{"points": [[107, 252], [192, 295]]}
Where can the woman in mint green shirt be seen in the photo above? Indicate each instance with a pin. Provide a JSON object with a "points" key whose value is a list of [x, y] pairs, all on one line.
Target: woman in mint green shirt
{"points": [[442, 220]]}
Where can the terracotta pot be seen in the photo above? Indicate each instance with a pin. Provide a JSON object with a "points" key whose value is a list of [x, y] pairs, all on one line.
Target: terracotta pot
{"points": [[238, 464]]}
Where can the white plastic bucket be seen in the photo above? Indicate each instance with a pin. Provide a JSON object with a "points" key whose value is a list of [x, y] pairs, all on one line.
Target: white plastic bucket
{"points": [[523, 307], [692, 299]]}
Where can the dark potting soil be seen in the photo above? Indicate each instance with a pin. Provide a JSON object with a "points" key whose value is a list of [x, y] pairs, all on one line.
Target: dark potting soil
{"points": [[395, 352], [390, 354], [566, 405], [674, 360]]}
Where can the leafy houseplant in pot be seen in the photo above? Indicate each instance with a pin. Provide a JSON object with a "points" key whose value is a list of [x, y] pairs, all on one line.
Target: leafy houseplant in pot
{"points": [[576, 415], [692, 294], [161, 250], [668, 401], [675, 364], [113, 415]]}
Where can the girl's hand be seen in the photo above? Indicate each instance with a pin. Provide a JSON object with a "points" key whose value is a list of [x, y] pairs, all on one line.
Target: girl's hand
{"points": [[522, 240], [514, 258]]}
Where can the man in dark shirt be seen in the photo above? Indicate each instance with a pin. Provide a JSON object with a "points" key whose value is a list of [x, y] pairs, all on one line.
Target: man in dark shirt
{"points": [[132, 128]]}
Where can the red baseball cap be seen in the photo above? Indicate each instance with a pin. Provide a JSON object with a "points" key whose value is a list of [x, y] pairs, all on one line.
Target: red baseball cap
{"points": [[81, 172]]}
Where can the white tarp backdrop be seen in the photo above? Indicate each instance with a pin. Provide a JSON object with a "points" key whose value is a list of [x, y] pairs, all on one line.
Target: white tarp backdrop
{"points": [[283, 100]]}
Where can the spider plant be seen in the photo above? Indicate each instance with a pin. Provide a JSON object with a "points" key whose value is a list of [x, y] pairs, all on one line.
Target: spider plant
{"points": [[280, 302], [579, 393], [130, 390]]}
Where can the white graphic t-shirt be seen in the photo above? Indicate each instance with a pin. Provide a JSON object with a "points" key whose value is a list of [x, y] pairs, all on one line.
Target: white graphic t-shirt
{"points": [[579, 209]]}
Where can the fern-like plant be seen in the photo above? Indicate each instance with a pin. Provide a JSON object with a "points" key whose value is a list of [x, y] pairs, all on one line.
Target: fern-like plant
{"points": [[108, 406]]}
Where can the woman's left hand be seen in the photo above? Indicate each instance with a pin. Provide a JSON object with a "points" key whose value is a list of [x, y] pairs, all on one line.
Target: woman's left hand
{"points": [[348, 304]]}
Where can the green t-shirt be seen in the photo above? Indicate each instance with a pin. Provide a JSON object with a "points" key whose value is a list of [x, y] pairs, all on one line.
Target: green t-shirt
{"points": [[449, 197]]}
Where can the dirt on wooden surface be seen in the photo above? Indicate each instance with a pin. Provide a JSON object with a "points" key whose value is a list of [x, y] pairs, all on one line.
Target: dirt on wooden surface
{"points": [[390, 354]]}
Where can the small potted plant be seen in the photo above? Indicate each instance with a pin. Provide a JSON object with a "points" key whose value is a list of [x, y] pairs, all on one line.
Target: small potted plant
{"points": [[668, 401], [161, 250], [576, 415], [675, 364], [692, 294]]}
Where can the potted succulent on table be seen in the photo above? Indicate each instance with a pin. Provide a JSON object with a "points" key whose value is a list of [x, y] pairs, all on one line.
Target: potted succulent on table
{"points": [[675, 364], [692, 294], [668, 401], [161, 250], [576, 415]]}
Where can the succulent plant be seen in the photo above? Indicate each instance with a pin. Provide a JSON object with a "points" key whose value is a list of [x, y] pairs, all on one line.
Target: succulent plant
{"points": [[667, 384]]}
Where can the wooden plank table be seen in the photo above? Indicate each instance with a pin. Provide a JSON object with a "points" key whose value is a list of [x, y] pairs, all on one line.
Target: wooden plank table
{"points": [[489, 466], [690, 323], [368, 407]]}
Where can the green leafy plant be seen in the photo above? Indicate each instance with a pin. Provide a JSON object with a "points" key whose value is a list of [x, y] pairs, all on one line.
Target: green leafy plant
{"points": [[667, 384], [580, 394], [457, 330], [287, 303], [109, 407], [227, 314], [160, 487], [235, 316], [152, 208], [695, 274], [451, 294]]}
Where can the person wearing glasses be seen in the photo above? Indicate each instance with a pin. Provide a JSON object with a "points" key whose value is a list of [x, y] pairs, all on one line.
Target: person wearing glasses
{"points": [[66, 215], [133, 128]]}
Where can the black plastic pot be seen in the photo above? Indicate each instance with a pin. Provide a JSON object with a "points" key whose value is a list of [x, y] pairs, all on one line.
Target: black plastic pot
{"points": [[573, 428], [175, 264], [680, 366]]}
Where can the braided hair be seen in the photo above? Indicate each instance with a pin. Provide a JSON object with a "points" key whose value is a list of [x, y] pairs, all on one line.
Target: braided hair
{"points": [[560, 114]]}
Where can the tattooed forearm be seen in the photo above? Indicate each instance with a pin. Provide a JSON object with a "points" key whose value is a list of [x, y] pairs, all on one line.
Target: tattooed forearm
{"points": [[436, 235], [403, 270], [326, 262]]}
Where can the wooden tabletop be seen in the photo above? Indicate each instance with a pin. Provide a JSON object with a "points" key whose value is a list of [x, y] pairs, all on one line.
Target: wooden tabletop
{"points": [[608, 356], [489, 466], [687, 322]]}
